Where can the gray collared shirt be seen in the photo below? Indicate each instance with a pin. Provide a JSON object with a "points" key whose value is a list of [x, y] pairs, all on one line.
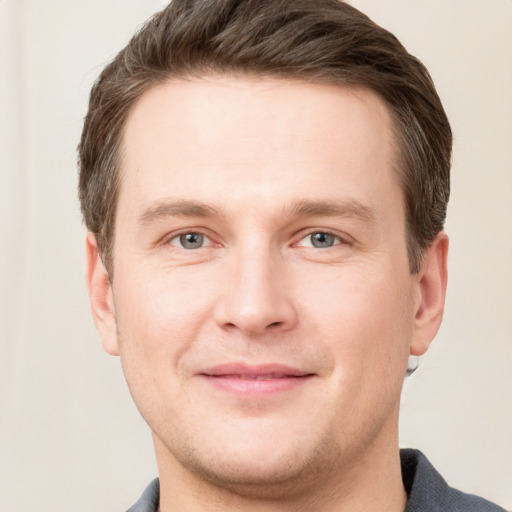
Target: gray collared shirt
{"points": [[426, 489]]}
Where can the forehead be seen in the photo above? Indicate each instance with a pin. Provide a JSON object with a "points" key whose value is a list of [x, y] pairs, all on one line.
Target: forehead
{"points": [[182, 107], [222, 134]]}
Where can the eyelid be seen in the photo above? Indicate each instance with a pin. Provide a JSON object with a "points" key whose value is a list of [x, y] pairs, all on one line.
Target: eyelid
{"points": [[175, 235], [343, 238]]}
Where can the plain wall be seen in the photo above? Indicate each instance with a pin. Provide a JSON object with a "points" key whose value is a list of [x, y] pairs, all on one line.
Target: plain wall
{"points": [[70, 438]]}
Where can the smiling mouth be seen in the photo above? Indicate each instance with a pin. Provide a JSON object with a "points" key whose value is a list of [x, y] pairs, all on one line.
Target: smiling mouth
{"points": [[269, 376], [260, 380]]}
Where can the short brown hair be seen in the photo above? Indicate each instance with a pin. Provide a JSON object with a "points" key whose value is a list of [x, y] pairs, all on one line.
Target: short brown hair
{"points": [[324, 41]]}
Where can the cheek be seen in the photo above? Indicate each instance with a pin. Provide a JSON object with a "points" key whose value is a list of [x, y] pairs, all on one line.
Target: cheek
{"points": [[157, 322], [365, 319], [367, 330], [164, 308]]}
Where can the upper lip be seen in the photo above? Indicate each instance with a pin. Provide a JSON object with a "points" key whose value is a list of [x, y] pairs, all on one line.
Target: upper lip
{"points": [[261, 371]]}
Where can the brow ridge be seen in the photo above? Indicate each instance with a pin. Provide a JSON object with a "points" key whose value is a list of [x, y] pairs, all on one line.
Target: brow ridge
{"points": [[304, 208], [180, 208], [347, 207]]}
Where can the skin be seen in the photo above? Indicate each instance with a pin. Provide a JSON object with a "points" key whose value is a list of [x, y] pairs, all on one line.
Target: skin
{"points": [[257, 166]]}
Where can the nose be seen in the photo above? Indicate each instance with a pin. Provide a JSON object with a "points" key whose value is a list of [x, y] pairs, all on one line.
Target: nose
{"points": [[256, 299]]}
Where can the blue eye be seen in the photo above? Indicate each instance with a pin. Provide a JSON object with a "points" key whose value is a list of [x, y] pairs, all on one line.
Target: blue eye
{"points": [[189, 240], [322, 240]]}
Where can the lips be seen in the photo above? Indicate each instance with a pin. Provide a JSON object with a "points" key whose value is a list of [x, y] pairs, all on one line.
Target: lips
{"points": [[261, 380], [266, 371]]}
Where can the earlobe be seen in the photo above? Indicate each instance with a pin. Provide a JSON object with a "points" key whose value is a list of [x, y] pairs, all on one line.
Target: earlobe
{"points": [[431, 282], [100, 297]]}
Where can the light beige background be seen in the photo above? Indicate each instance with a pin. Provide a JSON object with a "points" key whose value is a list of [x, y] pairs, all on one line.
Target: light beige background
{"points": [[70, 438]]}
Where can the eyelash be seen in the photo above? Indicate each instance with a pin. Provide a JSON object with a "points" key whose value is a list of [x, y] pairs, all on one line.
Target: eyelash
{"points": [[338, 239], [199, 233]]}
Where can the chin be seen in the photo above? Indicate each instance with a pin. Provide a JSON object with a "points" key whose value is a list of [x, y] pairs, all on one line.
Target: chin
{"points": [[274, 468]]}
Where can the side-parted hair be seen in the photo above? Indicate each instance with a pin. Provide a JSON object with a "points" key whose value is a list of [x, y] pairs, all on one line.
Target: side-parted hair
{"points": [[318, 41]]}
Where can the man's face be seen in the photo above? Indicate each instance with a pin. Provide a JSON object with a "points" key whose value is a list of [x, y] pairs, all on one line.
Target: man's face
{"points": [[264, 308]]}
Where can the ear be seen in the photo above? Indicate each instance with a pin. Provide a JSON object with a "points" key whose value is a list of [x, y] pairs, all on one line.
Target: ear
{"points": [[100, 297], [431, 286]]}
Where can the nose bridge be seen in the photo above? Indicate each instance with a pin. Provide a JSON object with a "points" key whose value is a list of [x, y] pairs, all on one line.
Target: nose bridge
{"points": [[257, 299], [255, 267]]}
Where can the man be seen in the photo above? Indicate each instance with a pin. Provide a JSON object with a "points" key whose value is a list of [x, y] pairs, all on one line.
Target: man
{"points": [[265, 184]]}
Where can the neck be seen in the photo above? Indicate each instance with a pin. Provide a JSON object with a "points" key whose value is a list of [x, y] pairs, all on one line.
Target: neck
{"points": [[369, 481]]}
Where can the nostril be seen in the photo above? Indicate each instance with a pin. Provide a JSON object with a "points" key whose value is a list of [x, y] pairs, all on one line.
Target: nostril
{"points": [[275, 324]]}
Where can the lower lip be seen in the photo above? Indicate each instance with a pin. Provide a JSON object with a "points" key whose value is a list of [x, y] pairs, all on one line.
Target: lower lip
{"points": [[256, 387]]}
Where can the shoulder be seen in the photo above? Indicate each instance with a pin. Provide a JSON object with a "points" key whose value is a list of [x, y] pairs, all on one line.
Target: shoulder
{"points": [[148, 502], [428, 491]]}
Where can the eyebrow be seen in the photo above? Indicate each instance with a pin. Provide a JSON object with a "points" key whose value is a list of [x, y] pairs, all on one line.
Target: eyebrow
{"points": [[306, 208], [341, 208], [169, 208]]}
